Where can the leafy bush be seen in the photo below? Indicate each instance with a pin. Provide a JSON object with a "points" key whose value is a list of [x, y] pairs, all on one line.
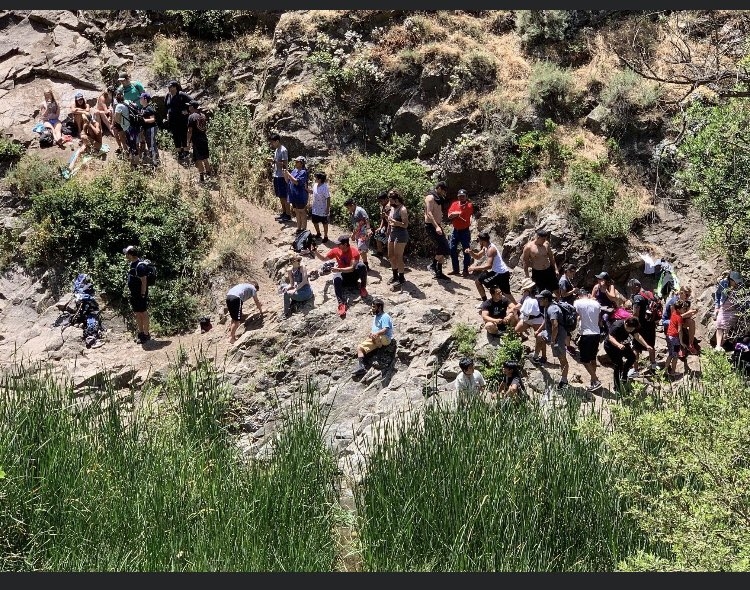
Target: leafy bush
{"points": [[715, 171], [209, 25], [164, 59], [551, 89], [10, 151], [625, 95], [541, 26], [601, 213], [82, 226], [477, 70], [534, 151], [510, 349], [364, 177], [32, 175], [466, 338]]}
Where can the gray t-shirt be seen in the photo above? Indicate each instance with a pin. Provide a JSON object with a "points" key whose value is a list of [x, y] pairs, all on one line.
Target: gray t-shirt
{"points": [[280, 156], [553, 312], [244, 291]]}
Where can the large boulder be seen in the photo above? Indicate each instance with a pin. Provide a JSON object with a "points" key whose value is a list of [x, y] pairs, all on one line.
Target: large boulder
{"points": [[440, 135]]}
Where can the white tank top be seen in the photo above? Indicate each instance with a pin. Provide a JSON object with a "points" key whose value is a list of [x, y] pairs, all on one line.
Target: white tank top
{"points": [[498, 265]]}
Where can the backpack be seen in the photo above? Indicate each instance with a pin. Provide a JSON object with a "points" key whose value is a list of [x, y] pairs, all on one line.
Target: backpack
{"points": [[46, 139], [569, 316], [151, 271], [69, 127], [655, 307], [303, 241]]}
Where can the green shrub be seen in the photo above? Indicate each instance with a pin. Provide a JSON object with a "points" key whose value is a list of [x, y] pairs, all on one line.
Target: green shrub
{"points": [[32, 175], [532, 152], [510, 349], [601, 213], [82, 226], [10, 151], [164, 59], [714, 169], [477, 70], [541, 26], [626, 95], [364, 177], [208, 25], [466, 338], [551, 89]]}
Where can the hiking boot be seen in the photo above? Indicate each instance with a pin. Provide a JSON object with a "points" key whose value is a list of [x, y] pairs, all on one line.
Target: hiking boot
{"points": [[539, 360], [342, 310], [363, 292], [465, 273], [632, 374], [432, 267], [139, 338]]}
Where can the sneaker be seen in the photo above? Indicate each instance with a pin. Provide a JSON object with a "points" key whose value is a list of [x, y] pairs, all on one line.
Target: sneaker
{"points": [[139, 338], [465, 273], [539, 360], [479, 305], [342, 310], [431, 267], [718, 348], [392, 280], [594, 386], [363, 292], [633, 374]]}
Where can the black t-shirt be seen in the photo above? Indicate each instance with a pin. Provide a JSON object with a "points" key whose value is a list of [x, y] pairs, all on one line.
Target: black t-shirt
{"points": [[642, 302], [176, 104], [148, 112], [497, 309], [134, 277], [197, 122], [618, 332]]}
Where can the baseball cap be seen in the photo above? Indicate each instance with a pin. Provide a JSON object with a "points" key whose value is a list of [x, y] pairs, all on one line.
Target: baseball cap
{"points": [[173, 83], [122, 76], [462, 192], [79, 94], [146, 95], [342, 240], [736, 277], [546, 294], [603, 275], [300, 159]]}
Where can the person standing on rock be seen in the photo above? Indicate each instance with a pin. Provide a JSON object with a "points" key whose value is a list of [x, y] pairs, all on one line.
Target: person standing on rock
{"points": [[148, 113], [298, 192], [641, 298], [538, 256], [138, 287], [321, 205], [349, 270], [381, 334], [619, 349], [459, 214], [361, 230], [433, 219], [589, 314], [280, 163], [566, 291], [197, 137], [726, 306], [130, 90], [493, 272], [121, 124], [177, 103], [398, 236], [381, 234], [553, 332], [236, 296]]}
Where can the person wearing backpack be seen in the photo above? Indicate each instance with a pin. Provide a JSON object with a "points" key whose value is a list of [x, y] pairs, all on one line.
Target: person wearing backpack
{"points": [[553, 332], [130, 90], [138, 287], [648, 309]]}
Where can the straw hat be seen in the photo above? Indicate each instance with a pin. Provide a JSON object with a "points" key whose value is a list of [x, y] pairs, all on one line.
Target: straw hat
{"points": [[527, 285]]}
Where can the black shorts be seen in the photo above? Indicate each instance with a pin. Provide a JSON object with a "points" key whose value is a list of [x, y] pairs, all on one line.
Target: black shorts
{"points": [[648, 333], [490, 278], [545, 279], [234, 305], [588, 347], [139, 302], [280, 187], [200, 151], [319, 218], [440, 241], [117, 126]]}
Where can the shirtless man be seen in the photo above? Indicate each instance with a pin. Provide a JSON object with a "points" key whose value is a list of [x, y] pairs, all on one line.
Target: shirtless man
{"points": [[538, 255], [433, 219]]}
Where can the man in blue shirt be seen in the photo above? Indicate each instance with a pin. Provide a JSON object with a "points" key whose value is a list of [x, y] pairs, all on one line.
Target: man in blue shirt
{"points": [[381, 335]]}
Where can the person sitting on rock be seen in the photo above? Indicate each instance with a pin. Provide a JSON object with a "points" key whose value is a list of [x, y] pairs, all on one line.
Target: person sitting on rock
{"points": [[530, 316], [493, 271], [236, 296], [381, 334], [553, 332], [498, 312], [91, 140], [102, 111], [298, 285], [469, 380], [50, 116], [78, 108], [349, 270], [512, 387]]}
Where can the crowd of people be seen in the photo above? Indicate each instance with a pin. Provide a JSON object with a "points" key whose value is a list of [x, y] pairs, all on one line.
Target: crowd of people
{"points": [[127, 112], [551, 310]]}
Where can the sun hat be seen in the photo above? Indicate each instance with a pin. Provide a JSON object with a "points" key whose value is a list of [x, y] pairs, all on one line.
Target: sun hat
{"points": [[528, 284]]}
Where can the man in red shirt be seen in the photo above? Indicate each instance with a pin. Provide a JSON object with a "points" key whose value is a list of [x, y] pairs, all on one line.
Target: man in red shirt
{"points": [[675, 337], [459, 214], [349, 270]]}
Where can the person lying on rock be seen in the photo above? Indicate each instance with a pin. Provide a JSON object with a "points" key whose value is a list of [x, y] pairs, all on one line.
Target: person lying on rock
{"points": [[381, 334], [498, 312], [349, 270]]}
